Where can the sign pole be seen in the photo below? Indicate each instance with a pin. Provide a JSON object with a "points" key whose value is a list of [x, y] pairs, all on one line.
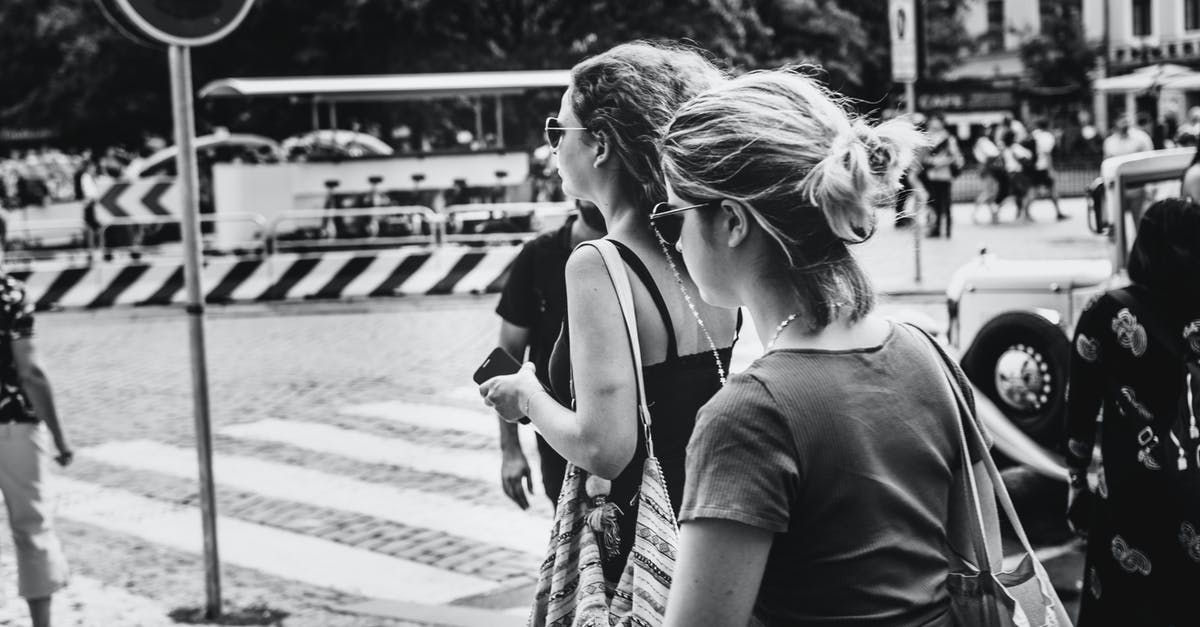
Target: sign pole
{"points": [[910, 107], [189, 222]]}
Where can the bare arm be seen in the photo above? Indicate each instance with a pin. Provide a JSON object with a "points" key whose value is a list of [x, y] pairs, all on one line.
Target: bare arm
{"points": [[514, 467], [601, 435], [36, 386], [718, 574]]}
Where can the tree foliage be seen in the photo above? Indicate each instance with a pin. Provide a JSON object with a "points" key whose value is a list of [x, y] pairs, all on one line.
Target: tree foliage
{"points": [[66, 68], [1059, 56]]}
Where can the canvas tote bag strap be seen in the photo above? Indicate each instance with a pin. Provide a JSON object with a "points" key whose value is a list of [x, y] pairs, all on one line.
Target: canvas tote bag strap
{"points": [[620, 281], [999, 490], [974, 506]]}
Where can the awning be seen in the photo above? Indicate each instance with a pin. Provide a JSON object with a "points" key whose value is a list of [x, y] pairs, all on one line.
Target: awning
{"points": [[1149, 77], [389, 86]]}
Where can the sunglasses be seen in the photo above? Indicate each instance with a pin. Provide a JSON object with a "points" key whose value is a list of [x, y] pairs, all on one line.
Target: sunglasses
{"points": [[555, 131], [667, 221]]}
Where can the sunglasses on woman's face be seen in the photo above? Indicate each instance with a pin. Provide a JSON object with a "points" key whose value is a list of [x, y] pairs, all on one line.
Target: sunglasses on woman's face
{"points": [[668, 221], [555, 131]]}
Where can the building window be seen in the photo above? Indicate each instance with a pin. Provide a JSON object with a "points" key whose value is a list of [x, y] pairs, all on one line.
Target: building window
{"points": [[1141, 18], [994, 38], [1191, 14]]}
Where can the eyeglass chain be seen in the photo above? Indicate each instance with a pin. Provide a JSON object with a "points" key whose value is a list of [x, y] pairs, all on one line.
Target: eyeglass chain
{"points": [[662, 242]]}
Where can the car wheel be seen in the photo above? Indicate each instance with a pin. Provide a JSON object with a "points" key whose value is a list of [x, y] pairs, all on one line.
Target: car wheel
{"points": [[1020, 360]]}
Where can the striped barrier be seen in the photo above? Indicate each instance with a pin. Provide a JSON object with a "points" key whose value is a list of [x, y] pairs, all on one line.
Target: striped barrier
{"points": [[282, 276]]}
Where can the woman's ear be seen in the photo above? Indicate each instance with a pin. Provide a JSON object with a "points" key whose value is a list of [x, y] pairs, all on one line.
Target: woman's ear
{"points": [[735, 221], [600, 147]]}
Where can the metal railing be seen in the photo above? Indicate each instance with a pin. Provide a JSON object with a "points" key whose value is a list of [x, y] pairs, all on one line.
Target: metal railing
{"points": [[501, 222], [367, 227], [152, 235], [304, 230]]}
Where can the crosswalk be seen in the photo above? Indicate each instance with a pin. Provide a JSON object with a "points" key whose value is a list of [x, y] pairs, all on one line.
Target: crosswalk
{"points": [[394, 501], [357, 535]]}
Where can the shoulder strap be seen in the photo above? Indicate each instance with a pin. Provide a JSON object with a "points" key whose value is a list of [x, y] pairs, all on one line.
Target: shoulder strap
{"points": [[643, 273], [1000, 491], [620, 281]]}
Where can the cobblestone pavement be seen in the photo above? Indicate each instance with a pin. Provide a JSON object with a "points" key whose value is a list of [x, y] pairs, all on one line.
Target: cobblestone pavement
{"points": [[353, 459]]}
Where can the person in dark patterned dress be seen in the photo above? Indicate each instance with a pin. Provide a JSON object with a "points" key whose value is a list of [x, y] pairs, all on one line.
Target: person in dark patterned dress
{"points": [[26, 401], [1143, 529]]}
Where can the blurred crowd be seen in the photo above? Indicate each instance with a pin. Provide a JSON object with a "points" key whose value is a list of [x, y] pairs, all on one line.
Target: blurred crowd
{"points": [[42, 176]]}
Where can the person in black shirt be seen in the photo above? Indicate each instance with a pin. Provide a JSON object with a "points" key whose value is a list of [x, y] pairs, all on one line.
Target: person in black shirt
{"points": [[531, 309]]}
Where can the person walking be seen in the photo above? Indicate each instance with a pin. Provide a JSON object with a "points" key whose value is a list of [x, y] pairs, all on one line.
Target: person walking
{"points": [[1042, 179], [532, 308], [26, 403], [942, 164], [1017, 159], [819, 480], [1136, 363], [991, 175], [606, 137]]}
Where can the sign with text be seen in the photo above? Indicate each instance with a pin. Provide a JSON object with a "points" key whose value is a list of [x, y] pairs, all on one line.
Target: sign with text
{"points": [[903, 27]]}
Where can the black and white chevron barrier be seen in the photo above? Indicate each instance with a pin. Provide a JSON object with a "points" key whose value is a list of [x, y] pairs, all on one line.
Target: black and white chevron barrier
{"points": [[282, 276]]}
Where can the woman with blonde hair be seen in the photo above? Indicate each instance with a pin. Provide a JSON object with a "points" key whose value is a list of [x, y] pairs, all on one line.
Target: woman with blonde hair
{"points": [[819, 480], [606, 138]]}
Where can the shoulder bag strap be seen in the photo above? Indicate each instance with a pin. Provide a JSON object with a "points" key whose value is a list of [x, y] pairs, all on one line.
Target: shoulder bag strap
{"points": [[1000, 491], [620, 281]]}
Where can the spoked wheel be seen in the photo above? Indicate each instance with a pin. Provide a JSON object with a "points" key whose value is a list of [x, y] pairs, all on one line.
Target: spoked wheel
{"points": [[1019, 360]]}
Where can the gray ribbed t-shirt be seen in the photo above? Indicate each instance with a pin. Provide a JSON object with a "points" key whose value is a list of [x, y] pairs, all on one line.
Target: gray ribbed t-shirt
{"points": [[848, 457]]}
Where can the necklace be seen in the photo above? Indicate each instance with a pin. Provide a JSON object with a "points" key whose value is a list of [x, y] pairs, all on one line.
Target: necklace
{"points": [[662, 242], [779, 329]]}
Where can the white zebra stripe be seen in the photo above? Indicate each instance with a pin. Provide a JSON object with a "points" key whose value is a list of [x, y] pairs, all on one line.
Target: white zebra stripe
{"points": [[506, 527], [376, 273], [146, 285], [322, 273], [477, 465], [439, 264], [490, 267], [38, 283], [85, 291], [277, 552]]}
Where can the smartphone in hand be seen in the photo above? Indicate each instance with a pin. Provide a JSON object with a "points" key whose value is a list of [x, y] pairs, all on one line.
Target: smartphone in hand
{"points": [[498, 363]]}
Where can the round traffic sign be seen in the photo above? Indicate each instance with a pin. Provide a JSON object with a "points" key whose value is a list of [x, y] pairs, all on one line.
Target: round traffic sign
{"points": [[182, 22]]}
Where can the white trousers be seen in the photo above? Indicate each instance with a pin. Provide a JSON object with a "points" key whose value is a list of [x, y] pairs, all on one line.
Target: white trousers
{"points": [[24, 463]]}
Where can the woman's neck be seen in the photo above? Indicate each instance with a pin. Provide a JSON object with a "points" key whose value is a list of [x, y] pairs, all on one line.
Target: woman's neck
{"points": [[772, 301]]}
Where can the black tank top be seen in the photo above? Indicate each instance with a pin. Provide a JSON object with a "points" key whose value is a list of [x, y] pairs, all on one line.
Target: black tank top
{"points": [[676, 388]]}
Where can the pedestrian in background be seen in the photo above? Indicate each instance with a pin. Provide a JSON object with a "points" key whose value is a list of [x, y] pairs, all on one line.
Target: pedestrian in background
{"points": [[26, 402], [1017, 160], [1126, 139], [1042, 178], [991, 175], [1133, 347], [942, 163], [606, 138], [819, 479], [532, 309]]}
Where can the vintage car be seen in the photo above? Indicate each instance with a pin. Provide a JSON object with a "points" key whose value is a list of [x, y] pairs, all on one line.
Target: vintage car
{"points": [[1013, 319]]}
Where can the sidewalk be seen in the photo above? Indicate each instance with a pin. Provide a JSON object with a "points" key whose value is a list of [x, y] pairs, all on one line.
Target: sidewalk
{"points": [[889, 255]]}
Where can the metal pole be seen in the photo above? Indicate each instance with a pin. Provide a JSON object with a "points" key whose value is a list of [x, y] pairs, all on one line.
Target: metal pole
{"points": [[477, 105], [185, 131], [499, 122], [316, 119], [910, 105], [333, 116]]}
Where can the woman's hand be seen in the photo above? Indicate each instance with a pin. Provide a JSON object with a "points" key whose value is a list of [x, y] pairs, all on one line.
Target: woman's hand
{"points": [[509, 394]]}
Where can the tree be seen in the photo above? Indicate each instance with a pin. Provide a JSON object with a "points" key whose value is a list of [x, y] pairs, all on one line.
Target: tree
{"points": [[1059, 56]]}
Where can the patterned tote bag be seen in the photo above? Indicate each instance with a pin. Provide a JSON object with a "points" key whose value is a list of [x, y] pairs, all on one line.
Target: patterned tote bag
{"points": [[1019, 597], [571, 590]]}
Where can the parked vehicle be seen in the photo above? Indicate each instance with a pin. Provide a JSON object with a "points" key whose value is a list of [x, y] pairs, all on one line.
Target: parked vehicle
{"points": [[1013, 319]]}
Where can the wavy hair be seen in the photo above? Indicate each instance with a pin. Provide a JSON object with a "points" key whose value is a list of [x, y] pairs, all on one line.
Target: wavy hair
{"points": [[628, 94]]}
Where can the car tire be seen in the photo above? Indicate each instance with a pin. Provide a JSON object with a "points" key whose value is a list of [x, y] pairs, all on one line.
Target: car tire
{"points": [[1019, 361]]}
